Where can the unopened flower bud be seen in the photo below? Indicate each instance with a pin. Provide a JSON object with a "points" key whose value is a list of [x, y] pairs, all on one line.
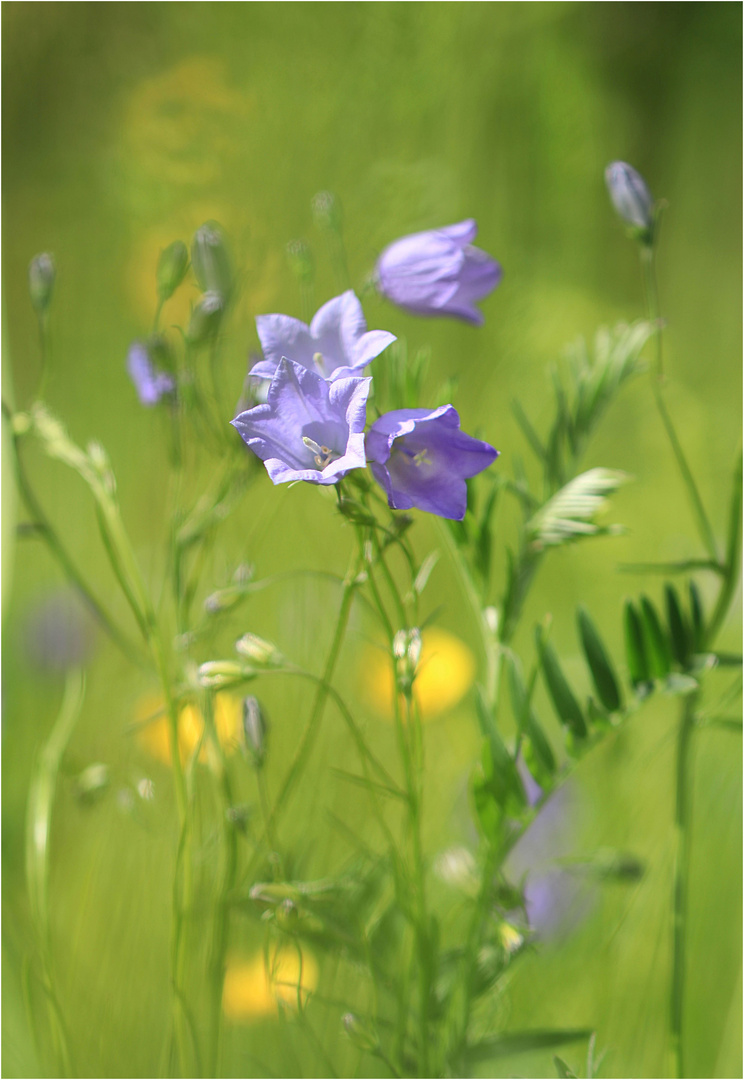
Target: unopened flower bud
{"points": [[205, 318], [217, 673], [210, 259], [300, 259], [258, 650], [360, 1033], [407, 653], [172, 267], [255, 729], [41, 273], [630, 196], [327, 211]]}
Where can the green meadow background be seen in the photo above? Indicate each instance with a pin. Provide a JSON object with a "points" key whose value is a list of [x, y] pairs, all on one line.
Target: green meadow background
{"points": [[126, 126]]}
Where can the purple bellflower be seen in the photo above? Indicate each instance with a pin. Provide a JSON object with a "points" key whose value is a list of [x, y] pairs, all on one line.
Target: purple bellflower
{"points": [[308, 429], [439, 272], [336, 344], [422, 459], [151, 385]]}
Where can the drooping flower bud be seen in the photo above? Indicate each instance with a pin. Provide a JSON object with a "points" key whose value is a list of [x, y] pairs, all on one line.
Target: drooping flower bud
{"points": [[630, 196], [172, 267], [210, 260], [205, 318], [255, 729], [41, 274]]}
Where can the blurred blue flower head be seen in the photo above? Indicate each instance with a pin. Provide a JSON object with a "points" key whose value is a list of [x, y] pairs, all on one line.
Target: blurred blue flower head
{"points": [[439, 272], [630, 195], [336, 344], [150, 383], [308, 429], [422, 459]]}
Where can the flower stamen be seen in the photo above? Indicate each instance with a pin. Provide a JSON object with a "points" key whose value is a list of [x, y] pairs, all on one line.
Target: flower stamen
{"points": [[322, 455]]}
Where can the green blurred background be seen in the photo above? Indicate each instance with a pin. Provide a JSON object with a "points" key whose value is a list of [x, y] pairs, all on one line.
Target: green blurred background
{"points": [[126, 126]]}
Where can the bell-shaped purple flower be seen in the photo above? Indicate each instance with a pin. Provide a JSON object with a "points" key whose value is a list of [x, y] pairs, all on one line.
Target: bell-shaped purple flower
{"points": [[439, 272], [422, 460], [150, 383], [336, 344], [308, 429]]}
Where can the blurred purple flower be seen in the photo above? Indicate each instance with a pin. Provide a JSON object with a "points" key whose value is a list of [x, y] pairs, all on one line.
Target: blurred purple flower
{"points": [[422, 459], [556, 900], [630, 195], [336, 344], [57, 632], [151, 385], [308, 429], [439, 272]]}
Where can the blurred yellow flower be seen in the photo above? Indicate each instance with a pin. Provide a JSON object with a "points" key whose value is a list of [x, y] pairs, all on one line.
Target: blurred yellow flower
{"points": [[253, 988], [155, 735], [445, 672]]}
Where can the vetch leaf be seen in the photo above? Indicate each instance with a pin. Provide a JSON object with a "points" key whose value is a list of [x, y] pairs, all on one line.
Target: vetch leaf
{"points": [[635, 651], [562, 1070], [570, 514], [698, 620], [658, 649], [679, 631], [561, 694], [499, 768], [600, 667], [537, 750]]}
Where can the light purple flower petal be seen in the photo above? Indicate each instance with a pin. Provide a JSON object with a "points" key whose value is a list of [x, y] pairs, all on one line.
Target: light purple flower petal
{"points": [[336, 342], [630, 195], [308, 429], [151, 385], [438, 272], [422, 459]]}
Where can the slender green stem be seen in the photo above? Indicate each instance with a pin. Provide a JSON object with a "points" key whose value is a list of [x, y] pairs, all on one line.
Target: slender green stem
{"points": [[732, 566], [701, 518], [226, 884], [158, 312], [44, 344], [652, 302], [682, 829], [38, 826], [47, 532], [307, 739]]}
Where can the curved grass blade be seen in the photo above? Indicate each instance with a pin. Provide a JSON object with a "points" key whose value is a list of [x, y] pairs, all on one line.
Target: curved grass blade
{"points": [[521, 1042]]}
